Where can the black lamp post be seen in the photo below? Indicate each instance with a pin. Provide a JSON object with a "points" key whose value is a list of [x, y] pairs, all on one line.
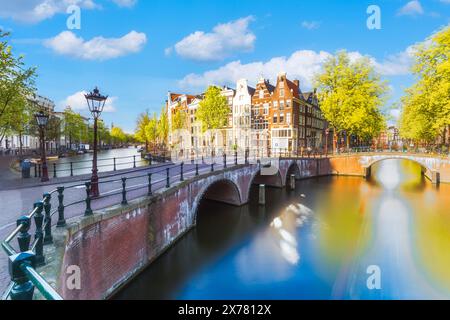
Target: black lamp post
{"points": [[96, 103], [42, 121], [327, 133]]}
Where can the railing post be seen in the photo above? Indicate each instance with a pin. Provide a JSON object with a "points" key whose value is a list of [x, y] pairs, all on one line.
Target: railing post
{"points": [[114, 164], [48, 238], [35, 170], [224, 160], [71, 169], [124, 191], [24, 237], [235, 158], [167, 178], [212, 166], [181, 172], [134, 161], [196, 169], [150, 184], [23, 288], [61, 219], [39, 235], [54, 170], [88, 211], [40, 170]]}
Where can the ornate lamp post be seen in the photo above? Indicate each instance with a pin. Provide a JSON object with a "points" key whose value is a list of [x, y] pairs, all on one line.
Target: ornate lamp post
{"points": [[42, 121], [96, 103], [327, 133]]}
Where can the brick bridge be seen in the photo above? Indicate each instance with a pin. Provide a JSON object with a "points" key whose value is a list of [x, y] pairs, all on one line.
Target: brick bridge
{"points": [[116, 243]]}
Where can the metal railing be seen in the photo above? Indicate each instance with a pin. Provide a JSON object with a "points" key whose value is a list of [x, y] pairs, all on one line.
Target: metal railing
{"points": [[73, 168], [30, 254]]}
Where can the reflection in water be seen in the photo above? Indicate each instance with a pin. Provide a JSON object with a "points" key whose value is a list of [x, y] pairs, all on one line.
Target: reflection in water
{"points": [[315, 247]]}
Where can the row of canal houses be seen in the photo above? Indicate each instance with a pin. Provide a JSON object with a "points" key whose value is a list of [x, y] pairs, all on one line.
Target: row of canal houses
{"points": [[265, 120]]}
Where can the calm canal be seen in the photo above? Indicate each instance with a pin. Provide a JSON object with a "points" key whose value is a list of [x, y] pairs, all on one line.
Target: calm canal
{"points": [[317, 246], [82, 164]]}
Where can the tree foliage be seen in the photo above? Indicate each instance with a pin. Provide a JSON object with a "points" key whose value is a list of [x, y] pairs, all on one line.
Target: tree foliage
{"points": [[179, 120], [16, 85], [351, 94], [426, 104], [118, 135], [163, 127], [213, 110]]}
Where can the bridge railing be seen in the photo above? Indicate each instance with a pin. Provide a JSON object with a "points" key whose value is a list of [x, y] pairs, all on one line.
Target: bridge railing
{"points": [[74, 168], [24, 261]]}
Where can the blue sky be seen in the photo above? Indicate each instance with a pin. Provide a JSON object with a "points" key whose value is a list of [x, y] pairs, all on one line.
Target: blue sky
{"points": [[137, 50]]}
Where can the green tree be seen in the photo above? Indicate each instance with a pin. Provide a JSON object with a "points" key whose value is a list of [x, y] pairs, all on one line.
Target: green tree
{"points": [[163, 127], [350, 95], [426, 104], [118, 136], [16, 84], [213, 111], [179, 120], [141, 123], [74, 127], [151, 131]]}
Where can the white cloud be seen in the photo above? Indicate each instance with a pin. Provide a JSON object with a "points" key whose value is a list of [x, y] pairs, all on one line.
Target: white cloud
{"points": [[125, 3], [303, 65], [222, 42], [98, 48], [33, 11], [77, 102], [396, 64], [311, 25], [412, 8]]}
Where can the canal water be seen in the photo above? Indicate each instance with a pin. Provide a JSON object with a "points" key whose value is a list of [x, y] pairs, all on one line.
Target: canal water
{"points": [[331, 238], [82, 164]]}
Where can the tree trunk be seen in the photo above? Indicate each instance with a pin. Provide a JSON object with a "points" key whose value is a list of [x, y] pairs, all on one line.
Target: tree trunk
{"points": [[20, 143], [335, 137]]}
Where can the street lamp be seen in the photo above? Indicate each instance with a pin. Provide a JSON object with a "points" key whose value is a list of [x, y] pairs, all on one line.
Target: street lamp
{"points": [[42, 121], [327, 133], [96, 103]]}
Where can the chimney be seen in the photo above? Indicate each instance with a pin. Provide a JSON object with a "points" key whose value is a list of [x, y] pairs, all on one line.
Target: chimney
{"points": [[297, 83]]}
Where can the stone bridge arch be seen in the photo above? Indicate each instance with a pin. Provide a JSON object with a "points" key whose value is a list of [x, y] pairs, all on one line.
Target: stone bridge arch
{"points": [[430, 165]]}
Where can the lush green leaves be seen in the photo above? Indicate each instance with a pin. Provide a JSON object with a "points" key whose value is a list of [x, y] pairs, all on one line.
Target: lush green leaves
{"points": [[350, 95], [213, 110], [426, 105]]}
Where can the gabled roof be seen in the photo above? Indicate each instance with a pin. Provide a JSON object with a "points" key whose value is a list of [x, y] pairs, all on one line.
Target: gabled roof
{"points": [[292, 86]]}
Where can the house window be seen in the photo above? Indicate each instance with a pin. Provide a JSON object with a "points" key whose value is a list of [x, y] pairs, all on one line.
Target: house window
{"points": [[275, 119], [281, 92], [275, 104], [288, 118], [281, 117], [261, 94], [281, 105], [266, 109]]}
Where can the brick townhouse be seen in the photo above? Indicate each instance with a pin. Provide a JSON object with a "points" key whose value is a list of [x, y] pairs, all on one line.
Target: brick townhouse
{"points": [[268, 119]]}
